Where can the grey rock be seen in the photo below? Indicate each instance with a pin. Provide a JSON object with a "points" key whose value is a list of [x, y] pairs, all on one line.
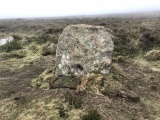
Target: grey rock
{"points": [[53, 46], [6, 40], [153, 55], [84, 49], [49, 50]]}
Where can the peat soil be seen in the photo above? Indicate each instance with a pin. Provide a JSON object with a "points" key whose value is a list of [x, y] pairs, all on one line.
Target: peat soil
{"points": [[139, 99]]}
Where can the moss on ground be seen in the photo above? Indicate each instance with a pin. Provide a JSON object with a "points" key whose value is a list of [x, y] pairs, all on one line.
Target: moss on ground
{"points": [[129, 91]]}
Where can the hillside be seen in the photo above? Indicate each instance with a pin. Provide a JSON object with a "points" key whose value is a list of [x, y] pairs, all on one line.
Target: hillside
{"points": [[28, 90]]}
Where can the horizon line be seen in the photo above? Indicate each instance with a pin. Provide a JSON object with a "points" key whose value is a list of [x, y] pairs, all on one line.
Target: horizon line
{"points": [[83, 15]]}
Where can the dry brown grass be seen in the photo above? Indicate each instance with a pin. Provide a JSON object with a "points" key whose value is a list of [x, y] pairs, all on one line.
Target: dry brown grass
{"points": [[130, 91], [91, 82]]}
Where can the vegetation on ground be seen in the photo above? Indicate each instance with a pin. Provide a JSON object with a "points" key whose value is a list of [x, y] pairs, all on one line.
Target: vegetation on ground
{"points": [[30, 90]]}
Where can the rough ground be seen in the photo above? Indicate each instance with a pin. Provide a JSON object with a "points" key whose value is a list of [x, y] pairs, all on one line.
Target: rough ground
{"points": [[140, 80], [130, 92], [17, 82]]}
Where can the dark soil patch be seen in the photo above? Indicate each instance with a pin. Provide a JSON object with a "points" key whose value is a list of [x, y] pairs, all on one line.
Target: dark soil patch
{"points": [[13, 83]]}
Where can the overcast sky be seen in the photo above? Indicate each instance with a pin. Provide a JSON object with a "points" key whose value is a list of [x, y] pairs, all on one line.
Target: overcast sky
{"points": [[56, 8]]}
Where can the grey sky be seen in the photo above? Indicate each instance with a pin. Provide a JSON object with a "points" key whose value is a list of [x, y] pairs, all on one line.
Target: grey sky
{"points": [[55, 8]]}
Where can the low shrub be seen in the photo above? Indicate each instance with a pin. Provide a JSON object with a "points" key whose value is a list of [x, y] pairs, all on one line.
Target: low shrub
{"points": [[33, 48], [62, 112], [28, 40], [47, 51], [102, 24], [17, 55], [46, 38], [73, 100], [112, 87], [42, 39], [16, 37], [11, 46], [92, 114], [53, 30], [44, 80]]}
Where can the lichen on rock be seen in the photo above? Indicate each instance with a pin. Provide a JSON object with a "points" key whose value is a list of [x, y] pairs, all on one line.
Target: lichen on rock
{"points": [[84, 49]]}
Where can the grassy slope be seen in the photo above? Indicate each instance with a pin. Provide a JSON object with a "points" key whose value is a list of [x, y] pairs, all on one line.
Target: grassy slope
{"points": [[132, 76]]}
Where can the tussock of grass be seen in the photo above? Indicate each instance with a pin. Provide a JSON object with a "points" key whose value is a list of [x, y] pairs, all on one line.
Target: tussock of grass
{"points": [[91, 114], [24, 108], [11, 46], [44, 80], [46, 50], [15, 54], [112, 87], [73, 100], [132, 87]]}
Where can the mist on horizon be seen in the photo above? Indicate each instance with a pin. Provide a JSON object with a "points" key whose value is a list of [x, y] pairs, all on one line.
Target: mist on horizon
{"points": [[60, 8]]}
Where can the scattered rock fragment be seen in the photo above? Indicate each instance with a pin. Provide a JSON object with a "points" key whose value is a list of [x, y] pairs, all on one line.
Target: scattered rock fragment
{"points": [[6, 40], [153, 55]]}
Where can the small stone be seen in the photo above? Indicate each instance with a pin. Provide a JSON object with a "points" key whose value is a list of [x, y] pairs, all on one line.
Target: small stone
{"points": [[153, 55], [6, 40], [53, 46]]}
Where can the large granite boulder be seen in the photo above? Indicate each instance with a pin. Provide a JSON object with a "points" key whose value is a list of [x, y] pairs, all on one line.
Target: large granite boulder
{"points": [[84, 49]]}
